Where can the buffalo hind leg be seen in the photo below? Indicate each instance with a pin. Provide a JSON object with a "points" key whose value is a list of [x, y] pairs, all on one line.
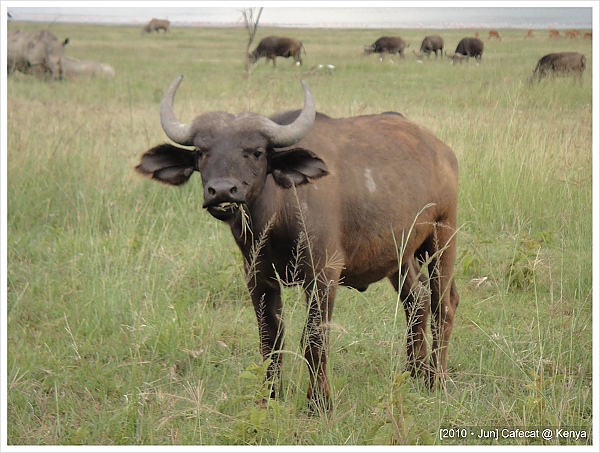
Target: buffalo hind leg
{"points": [[444, 297], [415, 298]]}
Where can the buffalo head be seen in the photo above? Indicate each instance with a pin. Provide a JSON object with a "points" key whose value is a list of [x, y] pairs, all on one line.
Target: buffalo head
{"points": [[233, 153]]}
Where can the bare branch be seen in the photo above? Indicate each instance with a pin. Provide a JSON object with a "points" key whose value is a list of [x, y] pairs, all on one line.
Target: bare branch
{"points": [[251, 18]]}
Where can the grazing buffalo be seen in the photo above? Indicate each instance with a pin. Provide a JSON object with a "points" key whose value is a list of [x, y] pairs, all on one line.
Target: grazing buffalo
{"points": [[433, 43], [559, 64], [387, 44], [74, 68], [468, 47], [272, 47], [157, 25], [39, 53], [322, 202]]}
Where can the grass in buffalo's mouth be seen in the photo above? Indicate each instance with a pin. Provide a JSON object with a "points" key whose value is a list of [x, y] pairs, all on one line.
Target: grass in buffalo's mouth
{"points": [[226, 206]]}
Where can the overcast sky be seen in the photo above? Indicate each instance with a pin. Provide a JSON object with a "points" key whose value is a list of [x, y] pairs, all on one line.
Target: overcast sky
{"points": [[320, 14]]}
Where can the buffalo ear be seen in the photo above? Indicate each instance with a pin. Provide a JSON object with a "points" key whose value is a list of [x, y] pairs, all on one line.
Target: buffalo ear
{"points": [[168, 164], [296, 167]]}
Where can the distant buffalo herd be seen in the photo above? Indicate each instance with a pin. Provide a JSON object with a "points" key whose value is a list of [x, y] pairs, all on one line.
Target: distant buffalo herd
{"points": [[562, 63], [43, 54]]}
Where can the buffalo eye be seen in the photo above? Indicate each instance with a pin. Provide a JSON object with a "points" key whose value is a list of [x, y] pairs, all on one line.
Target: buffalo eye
{"points": [[256, 153], [201, 153], [200, 156]]}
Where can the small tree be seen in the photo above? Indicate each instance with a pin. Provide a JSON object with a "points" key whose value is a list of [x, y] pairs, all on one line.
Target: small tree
{"points": [[251, 17]]}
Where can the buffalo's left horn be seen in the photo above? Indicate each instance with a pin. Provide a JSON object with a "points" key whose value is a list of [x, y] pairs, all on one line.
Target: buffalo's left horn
{"points": [[180, 133], [287, 135]]}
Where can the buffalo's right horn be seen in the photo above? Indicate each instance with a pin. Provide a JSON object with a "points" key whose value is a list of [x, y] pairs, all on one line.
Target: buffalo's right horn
{"points": [[180, 133], [287, 135]]}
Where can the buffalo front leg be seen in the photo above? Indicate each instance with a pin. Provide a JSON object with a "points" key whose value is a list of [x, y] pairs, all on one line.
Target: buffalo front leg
{"points": [[267, 306], [320, 298]]}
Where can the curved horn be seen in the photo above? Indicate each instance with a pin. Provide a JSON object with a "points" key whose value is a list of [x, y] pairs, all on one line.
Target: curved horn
{"points": [[287, 135], [180, 133]]}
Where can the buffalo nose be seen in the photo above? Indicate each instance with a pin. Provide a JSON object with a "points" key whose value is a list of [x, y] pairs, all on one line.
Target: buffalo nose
{"points": [[222, 189]]}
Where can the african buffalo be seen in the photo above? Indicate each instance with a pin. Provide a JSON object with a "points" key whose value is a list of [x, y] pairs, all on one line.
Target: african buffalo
{"points": [[39, 53], [322, 202], [433, 43], [74, 67], [387, 44], [157, 25], [272, 47], [468, 47], [559, 64]]}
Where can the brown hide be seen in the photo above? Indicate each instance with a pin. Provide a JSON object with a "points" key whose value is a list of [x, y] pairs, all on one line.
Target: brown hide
{"points": [[157, 25], [466, 48], [380, 172], [560, 64], [387, 44], [432, 43], [354, 201], [272, 47]]}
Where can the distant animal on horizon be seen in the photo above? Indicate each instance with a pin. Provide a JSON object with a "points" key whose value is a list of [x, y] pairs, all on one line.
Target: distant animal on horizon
{"points": [[272, 47], [466, 48], [559, 64], [529, 34], [387, 45], [554, 34], [157, 25], [572, 34], [432, 43], [494, 34], [39, 53]]}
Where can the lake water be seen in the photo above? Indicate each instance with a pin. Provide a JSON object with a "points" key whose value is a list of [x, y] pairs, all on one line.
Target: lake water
{"points": [[312, 16]]}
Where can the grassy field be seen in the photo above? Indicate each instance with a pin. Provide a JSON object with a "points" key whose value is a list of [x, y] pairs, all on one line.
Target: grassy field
{"points": [[128, 318]]}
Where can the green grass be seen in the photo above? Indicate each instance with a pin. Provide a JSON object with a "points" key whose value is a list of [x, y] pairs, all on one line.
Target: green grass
{"points": [[128, 317]]}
